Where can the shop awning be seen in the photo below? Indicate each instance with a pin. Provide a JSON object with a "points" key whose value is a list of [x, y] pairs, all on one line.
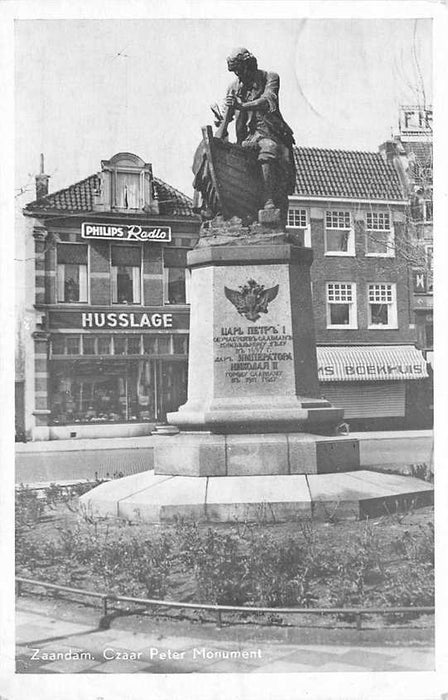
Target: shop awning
{"points": [[361, 363]]}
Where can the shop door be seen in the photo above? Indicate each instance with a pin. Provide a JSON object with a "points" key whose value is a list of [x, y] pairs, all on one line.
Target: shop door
{"points": [[172, 384]]}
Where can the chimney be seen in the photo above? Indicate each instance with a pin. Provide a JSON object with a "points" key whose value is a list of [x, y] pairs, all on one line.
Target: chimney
{"points": [[41, 180], [393, 152]]}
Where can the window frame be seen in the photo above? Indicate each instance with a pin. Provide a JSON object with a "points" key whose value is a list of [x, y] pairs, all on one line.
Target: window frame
{"points": [[87, 281], [351, 250], [140, 175], [392, 316], [306, 229], [390, 245], [353, 307], [114, 283], [187, 280]]}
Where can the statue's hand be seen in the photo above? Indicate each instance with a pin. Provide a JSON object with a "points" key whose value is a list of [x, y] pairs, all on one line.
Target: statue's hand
{"points": [[234, 101]]}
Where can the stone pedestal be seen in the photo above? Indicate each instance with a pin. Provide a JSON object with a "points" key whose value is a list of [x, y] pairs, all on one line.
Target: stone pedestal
{"points": [[252, 444], [252, 358]]}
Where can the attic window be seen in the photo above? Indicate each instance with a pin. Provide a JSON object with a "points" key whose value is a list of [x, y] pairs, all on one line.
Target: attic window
{"points": [[129, 190]]}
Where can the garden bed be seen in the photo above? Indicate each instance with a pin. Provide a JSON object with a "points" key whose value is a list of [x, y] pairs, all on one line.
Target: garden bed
{"points": [[386, 561]]}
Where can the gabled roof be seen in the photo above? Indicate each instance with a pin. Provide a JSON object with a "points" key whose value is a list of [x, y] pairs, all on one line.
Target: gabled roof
{"points": [[324, 172], [80, 197]]}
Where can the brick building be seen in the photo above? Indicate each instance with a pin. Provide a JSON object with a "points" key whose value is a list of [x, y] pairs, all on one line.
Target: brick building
{"points": [[353, 211], [110, 343]]}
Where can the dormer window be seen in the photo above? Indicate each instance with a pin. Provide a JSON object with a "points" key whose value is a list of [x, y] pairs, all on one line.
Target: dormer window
{"points": [[126, 185], [128, 190]]}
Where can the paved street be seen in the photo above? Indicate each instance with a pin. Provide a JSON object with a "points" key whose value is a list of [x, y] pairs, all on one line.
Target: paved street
{"points": [[47, 643], [83, 459]]}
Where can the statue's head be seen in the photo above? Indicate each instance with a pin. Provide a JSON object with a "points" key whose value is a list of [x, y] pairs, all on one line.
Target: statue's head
{"points": [[242, 63]]}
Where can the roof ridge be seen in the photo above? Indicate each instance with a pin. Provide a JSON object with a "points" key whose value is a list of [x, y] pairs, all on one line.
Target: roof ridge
{"points": [[334, 150]]}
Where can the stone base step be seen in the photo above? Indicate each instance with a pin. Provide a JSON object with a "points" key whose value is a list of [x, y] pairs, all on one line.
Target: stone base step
{"points": [[150, 497]]}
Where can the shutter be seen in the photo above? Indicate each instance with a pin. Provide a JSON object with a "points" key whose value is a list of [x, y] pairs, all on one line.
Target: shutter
{"points": [[126, 255], [175, 257], [72, 254], [359, 400]]}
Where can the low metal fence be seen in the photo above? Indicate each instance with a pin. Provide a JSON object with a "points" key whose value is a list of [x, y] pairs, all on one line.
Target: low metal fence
{"points": [[219, 610]]}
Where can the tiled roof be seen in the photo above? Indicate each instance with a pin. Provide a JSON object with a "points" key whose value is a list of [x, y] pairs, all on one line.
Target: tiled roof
{"points": [[79, 198], [323, 172], [421, 149]]}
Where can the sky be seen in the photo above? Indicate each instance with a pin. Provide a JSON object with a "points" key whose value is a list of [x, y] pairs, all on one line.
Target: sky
{"points": [[87, 89]]}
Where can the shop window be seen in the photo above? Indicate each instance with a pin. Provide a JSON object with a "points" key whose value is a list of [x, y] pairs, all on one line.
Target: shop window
{"points": [[379, 234], [134, 390], [88, 345], [339, 233], [164, 343], [180, 344], [104, 344], [341, 305], [126, 274], [175, 276], [134, 344], [71, 273], [150, 344], [382, 306], [119, 345], [73, 344]]}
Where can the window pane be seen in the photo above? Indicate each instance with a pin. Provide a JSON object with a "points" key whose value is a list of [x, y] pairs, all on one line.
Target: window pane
{"points": [[297, 218], [337, 241], [380, 293], [378, 221], [164, 344], [134, 344], [128, 190], [180, 344], [119, 345], [150, 344], [127, 288], [103, 345], [379, 314], [88, 345], [176, 285], [71, 283], [337, 219], [339, 314], [73, 343]]}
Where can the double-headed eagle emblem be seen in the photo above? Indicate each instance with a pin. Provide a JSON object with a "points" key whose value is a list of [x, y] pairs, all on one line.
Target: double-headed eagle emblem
{"points": [[252, 300]]}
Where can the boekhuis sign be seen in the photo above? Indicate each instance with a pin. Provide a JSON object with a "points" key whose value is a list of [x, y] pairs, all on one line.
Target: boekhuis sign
{"points": [[125, 232]]}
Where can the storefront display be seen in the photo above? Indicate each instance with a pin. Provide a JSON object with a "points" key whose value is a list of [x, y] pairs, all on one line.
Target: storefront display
{"points": [[116, 377]]}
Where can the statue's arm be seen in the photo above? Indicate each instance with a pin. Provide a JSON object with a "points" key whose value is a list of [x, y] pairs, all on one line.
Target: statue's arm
{"points": [[267, 102]]}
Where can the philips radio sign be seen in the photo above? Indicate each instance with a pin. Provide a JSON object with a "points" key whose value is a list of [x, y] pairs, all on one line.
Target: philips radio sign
{"points": [[132, 232]]}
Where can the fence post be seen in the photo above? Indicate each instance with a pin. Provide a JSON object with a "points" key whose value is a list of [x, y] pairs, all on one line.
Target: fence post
{"points": [[358, 621], [105, 611], [218, 619], [18, 588]]}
